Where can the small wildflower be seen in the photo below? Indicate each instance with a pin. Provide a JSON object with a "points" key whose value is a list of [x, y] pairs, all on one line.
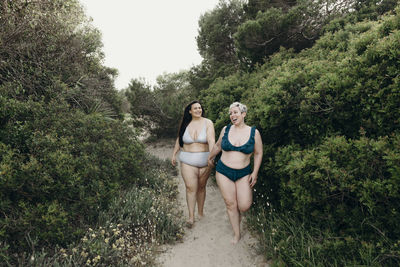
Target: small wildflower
{"points": [[96, 259], [74, 250], [93, 235], [106, 240]]}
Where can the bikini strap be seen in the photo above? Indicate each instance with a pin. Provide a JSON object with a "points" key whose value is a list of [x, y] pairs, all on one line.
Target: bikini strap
{"points": [[228, 127]]}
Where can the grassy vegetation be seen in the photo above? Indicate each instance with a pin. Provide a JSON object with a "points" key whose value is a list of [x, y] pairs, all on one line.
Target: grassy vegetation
{"points": [[289, 241]]}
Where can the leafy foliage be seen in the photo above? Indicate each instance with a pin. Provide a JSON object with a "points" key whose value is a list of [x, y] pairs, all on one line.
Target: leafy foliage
{"points": [[216, 29], [160, 108], [64, 152], [127, 231], [328, 117], [50, 50], [59, 168]]}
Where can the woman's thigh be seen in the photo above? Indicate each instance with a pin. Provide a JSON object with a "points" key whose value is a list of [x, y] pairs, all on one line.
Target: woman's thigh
{"points": [[244, 193], [204, 173], [227, 188], [190, 175]]}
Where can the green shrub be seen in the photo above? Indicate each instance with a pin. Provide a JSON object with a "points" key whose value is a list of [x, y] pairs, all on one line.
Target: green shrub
{"points": [[347, 81], [329, 120], [59, 168], [127, 233], [345, 185]]}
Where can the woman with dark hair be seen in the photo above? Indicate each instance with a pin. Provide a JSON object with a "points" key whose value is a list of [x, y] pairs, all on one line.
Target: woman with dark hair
{"points": [[234, 174], [196, 138]]}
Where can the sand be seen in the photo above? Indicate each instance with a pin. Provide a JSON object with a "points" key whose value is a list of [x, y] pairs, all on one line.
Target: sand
{"points": [[208, 242]]}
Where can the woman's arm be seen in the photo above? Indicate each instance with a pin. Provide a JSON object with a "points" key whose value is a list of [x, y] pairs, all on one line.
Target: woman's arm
{"points": [[216, 148], [175, 151], [210, 135], [258, 154]]}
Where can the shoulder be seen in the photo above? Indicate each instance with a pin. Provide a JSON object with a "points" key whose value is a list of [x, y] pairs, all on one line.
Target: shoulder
{"points": [[223, 129], [257, 133], [208, 122]]}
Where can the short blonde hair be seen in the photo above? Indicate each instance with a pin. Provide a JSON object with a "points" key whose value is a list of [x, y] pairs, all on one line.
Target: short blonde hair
{"points": [[242, 107]]}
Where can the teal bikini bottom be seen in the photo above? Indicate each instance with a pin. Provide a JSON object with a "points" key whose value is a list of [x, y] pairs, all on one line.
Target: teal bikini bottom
{"points": [[232, 174]]}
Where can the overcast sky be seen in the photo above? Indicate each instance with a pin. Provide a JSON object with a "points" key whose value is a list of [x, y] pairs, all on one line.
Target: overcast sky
{"points": [[146, 38]]}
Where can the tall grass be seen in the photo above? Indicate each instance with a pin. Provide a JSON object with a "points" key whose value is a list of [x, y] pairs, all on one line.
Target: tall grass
{"points": [[289, 242]]}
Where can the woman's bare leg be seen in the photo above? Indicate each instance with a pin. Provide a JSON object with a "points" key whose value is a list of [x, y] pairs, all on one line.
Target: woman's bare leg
{"points": [[228, 191], [204, 173], [244, 194], [190, 177]]}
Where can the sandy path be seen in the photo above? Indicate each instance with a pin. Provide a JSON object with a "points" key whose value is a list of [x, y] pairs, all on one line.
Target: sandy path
{"points": [[208, 242]]}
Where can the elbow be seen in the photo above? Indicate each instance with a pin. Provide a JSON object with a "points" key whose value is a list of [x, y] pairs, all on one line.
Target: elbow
{"points": [[258, 155]]}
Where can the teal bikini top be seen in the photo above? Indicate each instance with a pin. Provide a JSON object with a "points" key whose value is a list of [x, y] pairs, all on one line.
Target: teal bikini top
{"points": [[247, 148]]}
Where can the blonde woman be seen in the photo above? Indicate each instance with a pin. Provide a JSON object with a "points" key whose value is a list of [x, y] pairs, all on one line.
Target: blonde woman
{"points": [[234, 175]]}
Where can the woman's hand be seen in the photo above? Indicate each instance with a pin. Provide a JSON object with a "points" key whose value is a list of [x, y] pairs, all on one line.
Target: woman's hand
{"points": [[253, 179], [210, 162], [173, 160]]}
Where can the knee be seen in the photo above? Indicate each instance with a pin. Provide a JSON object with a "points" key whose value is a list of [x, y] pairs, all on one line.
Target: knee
{"points": [[202, 187], [202, 183], [231, 205], [191, 189], [243, 207]]}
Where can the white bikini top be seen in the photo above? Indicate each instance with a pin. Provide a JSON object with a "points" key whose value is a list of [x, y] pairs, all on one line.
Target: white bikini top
{"points": [[201, 137]]}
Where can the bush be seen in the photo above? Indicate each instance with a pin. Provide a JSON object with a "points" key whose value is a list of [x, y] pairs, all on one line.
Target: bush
{"points": [[127, 232], [329, 121], [60, 167], [346, 82], [349, 186]]}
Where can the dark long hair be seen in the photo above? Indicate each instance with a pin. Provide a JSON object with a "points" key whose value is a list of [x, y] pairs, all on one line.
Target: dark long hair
{"points": [[186, 119]]}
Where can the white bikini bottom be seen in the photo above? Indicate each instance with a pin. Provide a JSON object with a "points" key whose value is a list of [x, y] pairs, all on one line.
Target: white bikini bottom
{"points": [[196, 159]]}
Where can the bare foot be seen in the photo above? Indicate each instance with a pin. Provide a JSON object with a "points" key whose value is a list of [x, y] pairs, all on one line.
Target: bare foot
{"points": [[201, 216], [190, 223], [235, 240]]}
